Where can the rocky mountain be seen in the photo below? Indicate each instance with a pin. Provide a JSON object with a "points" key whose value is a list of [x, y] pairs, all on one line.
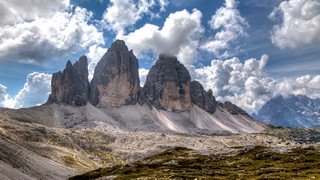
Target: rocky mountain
{"points": [[169, 102], [292, 111], [168, 85], [205, 100], [233, 109], [113, 121], [116, 79], [71, 86]]}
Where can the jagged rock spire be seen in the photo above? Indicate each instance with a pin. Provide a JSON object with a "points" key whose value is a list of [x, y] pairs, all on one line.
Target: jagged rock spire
{"points": [[205, 100], [116, 78], [168, 84], [71, 86]]}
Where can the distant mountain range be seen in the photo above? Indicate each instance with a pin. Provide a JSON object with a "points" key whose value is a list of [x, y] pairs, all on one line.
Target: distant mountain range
{"points": [[292, 111]]}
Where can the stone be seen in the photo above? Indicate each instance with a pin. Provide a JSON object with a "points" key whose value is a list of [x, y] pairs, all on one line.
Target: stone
{"points": [[116, 78], [71, 86], [168, 85], [201, 98], [233, 109]]}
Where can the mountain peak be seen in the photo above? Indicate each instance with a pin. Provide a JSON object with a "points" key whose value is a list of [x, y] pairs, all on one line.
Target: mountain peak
{"points": [[168, 84], [291, 111], [71, 86], [116, 79]]}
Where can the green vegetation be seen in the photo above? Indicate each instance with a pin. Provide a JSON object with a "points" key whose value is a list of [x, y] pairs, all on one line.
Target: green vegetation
{"points": [[249, 163], [306, 135], [73, 161]]}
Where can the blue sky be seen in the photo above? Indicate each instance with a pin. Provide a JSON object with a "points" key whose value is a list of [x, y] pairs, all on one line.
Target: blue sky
{"points": [[245, 51]]}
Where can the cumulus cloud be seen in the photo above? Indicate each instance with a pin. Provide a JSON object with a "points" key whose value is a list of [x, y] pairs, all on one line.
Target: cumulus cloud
{"points": [[45, 30], [299, 23], [230, 25], [35, 91], [94, 55], [16, 11], [247, 85], [3, 95], [241, 83], [178, 36], [305, 85], [143, 75], [122, 14]]}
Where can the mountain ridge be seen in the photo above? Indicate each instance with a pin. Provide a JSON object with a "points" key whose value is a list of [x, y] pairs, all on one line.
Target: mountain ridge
{"points": [[297, 111], [167, 93], [169, 102], [71, 133]]}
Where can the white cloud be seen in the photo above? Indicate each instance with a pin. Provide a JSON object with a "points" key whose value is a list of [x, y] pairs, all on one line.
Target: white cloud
{"points": [[305, 85], [143, 75], [46, 32], [300, 23], [247, 85], [122, 14], [3, 94], [230, 25], [179, 36], [17, 11], [94, 55], [35, 91]]}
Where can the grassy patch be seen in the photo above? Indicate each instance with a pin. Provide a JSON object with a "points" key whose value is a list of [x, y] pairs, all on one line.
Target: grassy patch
{"points": [[250, 163], [302, 135], [71, 161]]}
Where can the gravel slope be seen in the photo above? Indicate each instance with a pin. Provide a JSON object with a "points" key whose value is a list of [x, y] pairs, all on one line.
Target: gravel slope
{"points": [[57, 141], [139, 118]]}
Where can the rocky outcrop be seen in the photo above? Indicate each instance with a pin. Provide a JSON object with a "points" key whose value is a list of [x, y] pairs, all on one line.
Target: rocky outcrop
{"points": [[71, 86], [205, 100], [168, 85], [116, 78], [233, 109]]}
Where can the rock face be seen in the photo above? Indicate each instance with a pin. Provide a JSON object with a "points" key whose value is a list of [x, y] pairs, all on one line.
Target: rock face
{"points": [[116, 78], [205, 100], [233, 109], [168, 85], [292, 111], [71, 86]]}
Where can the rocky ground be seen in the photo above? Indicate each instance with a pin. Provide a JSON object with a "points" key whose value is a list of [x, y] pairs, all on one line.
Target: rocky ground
{"points": [[34, 151], [256, 162]]}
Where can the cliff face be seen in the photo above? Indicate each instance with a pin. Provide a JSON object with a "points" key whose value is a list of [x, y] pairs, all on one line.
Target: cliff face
{"points": [[116, 79], [71, 86], [168, 85], [205, 100], [233, 109]]}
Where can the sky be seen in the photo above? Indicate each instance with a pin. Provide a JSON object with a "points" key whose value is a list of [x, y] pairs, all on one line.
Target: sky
{"points": [[246, 51]]}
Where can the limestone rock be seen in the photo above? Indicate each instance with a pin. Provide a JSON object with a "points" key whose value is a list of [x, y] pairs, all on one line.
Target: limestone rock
{"points": [[71, 86], [116, 78], [233, 109], [205, 100], [168, 85]]}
